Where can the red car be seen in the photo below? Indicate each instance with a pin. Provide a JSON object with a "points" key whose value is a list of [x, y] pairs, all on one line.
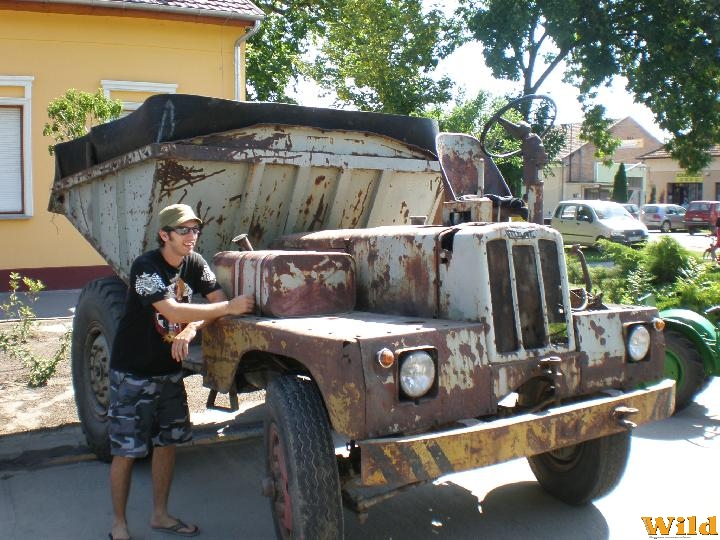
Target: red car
{"points": [[702, 215]]}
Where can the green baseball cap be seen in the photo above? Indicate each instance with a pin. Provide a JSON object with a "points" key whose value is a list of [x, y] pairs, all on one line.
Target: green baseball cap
{"points": [[175, 214]]}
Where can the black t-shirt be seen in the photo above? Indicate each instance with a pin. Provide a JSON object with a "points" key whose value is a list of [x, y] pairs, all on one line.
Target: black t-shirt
{"points": [[143, 342]]}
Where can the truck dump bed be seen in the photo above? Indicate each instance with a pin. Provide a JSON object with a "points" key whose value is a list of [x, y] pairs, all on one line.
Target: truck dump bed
{"points": [[256, 168]]}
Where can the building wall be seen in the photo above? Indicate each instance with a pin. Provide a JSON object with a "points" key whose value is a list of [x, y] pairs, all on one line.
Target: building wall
{"points": [[664, 172], [579, 174], [79, 50]]}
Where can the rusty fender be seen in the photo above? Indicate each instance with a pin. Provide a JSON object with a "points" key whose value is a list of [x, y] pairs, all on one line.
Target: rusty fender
{"points": [[405, 460]]}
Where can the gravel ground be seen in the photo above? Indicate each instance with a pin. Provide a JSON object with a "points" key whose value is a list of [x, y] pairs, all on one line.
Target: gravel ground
{"points": [[24, 409]]}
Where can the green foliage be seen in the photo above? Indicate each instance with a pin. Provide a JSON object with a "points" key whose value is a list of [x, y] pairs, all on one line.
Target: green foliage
{"points": [[42, 369], [14, 342], [644, 41], [21, 311], [374, 55], [378, 55], [697, 288], [470, 116], [665, 259], [75, 112], [626, 259], [653, 194], [466, 115], [663, 270], [620, 185]]}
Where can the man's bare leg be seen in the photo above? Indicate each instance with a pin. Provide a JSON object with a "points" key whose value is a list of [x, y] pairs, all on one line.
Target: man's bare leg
{"points": [[163, 467], [120, 479]]}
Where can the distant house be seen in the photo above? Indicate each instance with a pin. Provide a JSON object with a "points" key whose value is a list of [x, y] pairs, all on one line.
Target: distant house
{"points": [[578, 174], [132, 49], [674, 185]]}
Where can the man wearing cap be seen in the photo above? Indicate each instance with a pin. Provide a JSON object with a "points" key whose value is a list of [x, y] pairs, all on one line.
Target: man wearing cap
{"points": [[148, 404]]}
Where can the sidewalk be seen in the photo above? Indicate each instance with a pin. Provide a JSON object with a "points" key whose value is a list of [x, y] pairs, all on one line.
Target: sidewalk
{"points": [[66, 443], [50, 304]]}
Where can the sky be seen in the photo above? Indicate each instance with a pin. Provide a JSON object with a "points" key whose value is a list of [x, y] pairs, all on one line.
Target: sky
{"points": [[467, 68]]}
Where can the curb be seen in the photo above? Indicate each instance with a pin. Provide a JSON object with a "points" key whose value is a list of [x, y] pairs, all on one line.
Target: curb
{"points": [[66, 444], [65, 454]]}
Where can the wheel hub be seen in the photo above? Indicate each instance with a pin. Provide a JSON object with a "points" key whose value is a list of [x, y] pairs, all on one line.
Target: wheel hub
{"points": [[98, 367], [277, 487]]}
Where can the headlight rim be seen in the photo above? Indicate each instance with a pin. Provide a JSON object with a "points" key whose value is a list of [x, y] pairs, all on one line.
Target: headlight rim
{"points": [[431, 380], [635, 332]]}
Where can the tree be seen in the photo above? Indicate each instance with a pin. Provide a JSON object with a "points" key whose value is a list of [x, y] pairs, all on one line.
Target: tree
{"points": [[620, 186], [374, 55], [470, 115], [666, 49], [274, 54], [75, 112], [378, 55]]}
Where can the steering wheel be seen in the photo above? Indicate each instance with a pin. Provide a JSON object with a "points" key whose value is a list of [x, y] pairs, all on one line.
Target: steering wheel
{"points": [[538, 110]]}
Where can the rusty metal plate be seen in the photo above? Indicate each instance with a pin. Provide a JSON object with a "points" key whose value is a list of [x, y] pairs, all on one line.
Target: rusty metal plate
{"points": [[411, 459], [289, 283]]}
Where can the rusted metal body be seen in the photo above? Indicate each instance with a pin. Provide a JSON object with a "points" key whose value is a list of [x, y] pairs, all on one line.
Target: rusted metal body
{"points": [[406, 460], [474, 294], [289, 284], [266, 181], [341, 277]]}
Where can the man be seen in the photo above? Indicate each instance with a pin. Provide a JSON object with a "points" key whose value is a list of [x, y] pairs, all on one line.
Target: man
{"points": [[148, 404]]}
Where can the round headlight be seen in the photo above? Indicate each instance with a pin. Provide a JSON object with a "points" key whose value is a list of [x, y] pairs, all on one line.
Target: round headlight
{"points": [[417, 374], [638, 343]]}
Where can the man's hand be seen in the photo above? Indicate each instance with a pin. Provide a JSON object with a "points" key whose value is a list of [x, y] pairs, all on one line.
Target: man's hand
{"points": [[240, 305], [181, 342]]}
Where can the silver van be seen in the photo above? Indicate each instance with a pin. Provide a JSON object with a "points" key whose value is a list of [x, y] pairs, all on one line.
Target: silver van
{"points": [[585, 222]]}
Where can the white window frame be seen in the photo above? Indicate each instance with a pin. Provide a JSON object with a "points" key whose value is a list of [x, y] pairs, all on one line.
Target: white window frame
{"points": [[110, 86], [24, 103]]}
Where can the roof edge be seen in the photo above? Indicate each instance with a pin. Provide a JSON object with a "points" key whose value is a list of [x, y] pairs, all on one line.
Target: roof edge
{"points": [[157, 8]]}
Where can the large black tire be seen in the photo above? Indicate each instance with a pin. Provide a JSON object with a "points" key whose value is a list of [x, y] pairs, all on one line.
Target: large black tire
{"points": [[684, 364], [581, 473], [305, 497], [97, 314], [665, 227]]}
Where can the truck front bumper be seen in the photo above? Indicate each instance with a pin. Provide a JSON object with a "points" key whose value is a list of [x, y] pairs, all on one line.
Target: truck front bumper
{"points": [[407, 460]]}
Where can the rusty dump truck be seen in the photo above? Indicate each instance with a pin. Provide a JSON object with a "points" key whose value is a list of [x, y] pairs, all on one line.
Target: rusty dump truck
{"points": [[413, 318]]}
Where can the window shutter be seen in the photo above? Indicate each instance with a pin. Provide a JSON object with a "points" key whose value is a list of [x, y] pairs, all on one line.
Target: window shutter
{"points": [[11, 181]]}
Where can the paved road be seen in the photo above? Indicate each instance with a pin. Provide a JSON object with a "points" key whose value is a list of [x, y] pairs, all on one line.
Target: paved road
{"points": [[693, 242], [673, 471]]}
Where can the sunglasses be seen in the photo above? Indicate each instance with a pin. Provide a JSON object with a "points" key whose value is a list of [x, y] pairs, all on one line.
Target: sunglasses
{"points": [[186, 230]]}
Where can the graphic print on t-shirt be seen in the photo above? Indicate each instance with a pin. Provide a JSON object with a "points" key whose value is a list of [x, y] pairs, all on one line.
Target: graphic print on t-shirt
{"points": [[148, 284]]}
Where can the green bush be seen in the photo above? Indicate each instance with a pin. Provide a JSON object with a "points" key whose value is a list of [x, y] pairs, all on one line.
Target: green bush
{"points": [[14, 341], [665, 260], [663, 271]]}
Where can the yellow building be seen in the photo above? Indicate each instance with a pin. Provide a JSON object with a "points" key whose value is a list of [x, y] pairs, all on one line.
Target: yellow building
{"points": [[579, 174], [130, 49], [674, 185]]}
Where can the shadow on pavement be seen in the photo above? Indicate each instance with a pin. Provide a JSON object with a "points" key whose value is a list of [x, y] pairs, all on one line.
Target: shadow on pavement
{"points": [[521, 510]]}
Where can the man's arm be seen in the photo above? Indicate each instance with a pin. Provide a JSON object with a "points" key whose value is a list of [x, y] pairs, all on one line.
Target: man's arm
{"points": [[197, 315]]}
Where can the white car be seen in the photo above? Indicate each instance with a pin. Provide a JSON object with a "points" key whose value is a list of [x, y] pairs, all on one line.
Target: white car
{"points": [[585, 222]]}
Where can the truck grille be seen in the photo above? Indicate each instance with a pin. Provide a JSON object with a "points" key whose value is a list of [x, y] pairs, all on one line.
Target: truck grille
{"points": [[526, 294]]}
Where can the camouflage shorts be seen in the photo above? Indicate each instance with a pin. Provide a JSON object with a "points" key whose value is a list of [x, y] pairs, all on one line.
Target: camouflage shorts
{"points": [[144, 409]]}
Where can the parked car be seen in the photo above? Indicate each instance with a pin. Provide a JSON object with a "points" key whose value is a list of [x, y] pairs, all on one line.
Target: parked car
{"points": [[666, 217], [701, 215], [632, 209], [585, 222]]}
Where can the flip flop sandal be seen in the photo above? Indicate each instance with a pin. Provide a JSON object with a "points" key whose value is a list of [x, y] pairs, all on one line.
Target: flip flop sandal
{"points": [[175, 529]]}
